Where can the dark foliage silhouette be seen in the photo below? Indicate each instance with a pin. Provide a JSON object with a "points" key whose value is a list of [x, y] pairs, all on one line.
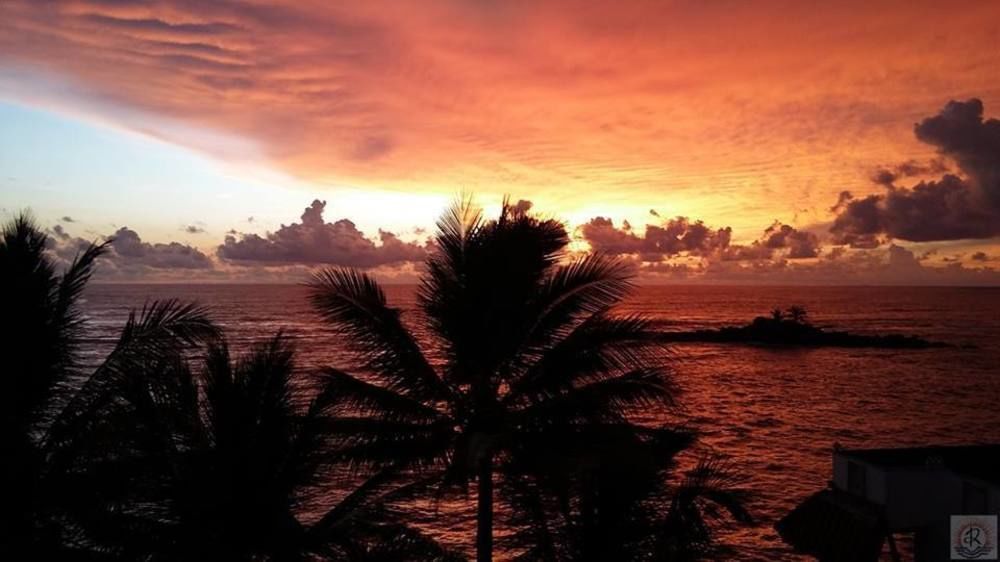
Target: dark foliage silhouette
{"points": [[53, 424], [141, 458], [620, 501], [797, 314], [793, 328], [234, 455], [526, 372], [528, 378]]}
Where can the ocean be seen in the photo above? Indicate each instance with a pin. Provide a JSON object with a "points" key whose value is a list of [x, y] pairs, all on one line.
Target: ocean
{"points": [[773, 413]]}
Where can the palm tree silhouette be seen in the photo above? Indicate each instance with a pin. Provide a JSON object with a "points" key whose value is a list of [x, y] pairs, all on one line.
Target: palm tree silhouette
{"points": [[53, 427], [232, 456], [523, 358], [619, 501], [707, 493], [797, 314]]}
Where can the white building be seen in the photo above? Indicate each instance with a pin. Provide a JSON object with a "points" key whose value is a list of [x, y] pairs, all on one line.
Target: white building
{"points": [[876, 494]]}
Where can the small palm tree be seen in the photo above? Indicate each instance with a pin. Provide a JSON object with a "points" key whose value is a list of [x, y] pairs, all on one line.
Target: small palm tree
{"points": [[620, 501], [797, 314], [53, 429], [708, 493], [522, 356], [777, 314], [227, 461]]}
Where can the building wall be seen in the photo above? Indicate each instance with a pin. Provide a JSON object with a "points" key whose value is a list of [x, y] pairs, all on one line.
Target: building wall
{"points": [[875, 478], [919, 499]]}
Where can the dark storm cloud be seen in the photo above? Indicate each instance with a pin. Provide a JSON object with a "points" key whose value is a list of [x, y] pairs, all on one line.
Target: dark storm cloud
{"points": [[960, 132], [888, 176], [675, 236], [946, 209], [952, 207], [314, 241]]}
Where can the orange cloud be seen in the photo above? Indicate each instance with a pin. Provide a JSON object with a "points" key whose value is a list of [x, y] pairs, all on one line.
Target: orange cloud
{"points": [[735, 112]]}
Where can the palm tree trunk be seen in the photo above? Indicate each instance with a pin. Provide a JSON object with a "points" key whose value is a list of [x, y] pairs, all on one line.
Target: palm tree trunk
{"points": [[484, 515]]}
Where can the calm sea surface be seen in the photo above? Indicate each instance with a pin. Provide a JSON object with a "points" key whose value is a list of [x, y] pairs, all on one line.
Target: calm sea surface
{"points": [[775, 413]]}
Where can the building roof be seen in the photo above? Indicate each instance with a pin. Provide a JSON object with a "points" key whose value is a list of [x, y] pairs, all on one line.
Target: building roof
{"points": [[976, 461]]}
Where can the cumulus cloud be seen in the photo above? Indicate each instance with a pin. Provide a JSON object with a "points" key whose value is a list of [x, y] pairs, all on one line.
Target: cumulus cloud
{"points": [[676, 236], [887, 176], [128, 256], [891, 265], [67, 219], [314, 241], [960, 132], [952, 207], [982, 256], [59, 232], [129, 249], [194, 229], [681, 236], [779, 240]]}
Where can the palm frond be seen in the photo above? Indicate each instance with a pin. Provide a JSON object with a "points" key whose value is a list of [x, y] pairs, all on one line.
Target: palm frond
{"points": [[589, 285], [265, 379], [601, 346], [363, 443], [349, 394], [478, 286], [395, 541], [165, 326], [354, 303], [460, 222], [534, 519], [709, 494], [73, 281], [22, 253], [37, 343], [609, 399], [714, 483], [364, 497], [160, 332]]}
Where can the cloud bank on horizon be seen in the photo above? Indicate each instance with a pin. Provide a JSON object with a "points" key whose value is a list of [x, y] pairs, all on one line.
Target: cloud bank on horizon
{"points": [[678, 250], [316, 242]]}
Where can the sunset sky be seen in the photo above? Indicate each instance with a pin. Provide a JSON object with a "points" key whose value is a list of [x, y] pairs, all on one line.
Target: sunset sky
{"points": [[708, 141]]}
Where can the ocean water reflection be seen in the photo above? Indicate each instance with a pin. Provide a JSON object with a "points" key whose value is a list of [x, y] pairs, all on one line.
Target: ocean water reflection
{"points": [[774, 413]]}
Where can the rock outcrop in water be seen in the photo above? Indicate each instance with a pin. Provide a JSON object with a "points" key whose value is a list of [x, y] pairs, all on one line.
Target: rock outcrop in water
{"points": [[791, 328]]}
